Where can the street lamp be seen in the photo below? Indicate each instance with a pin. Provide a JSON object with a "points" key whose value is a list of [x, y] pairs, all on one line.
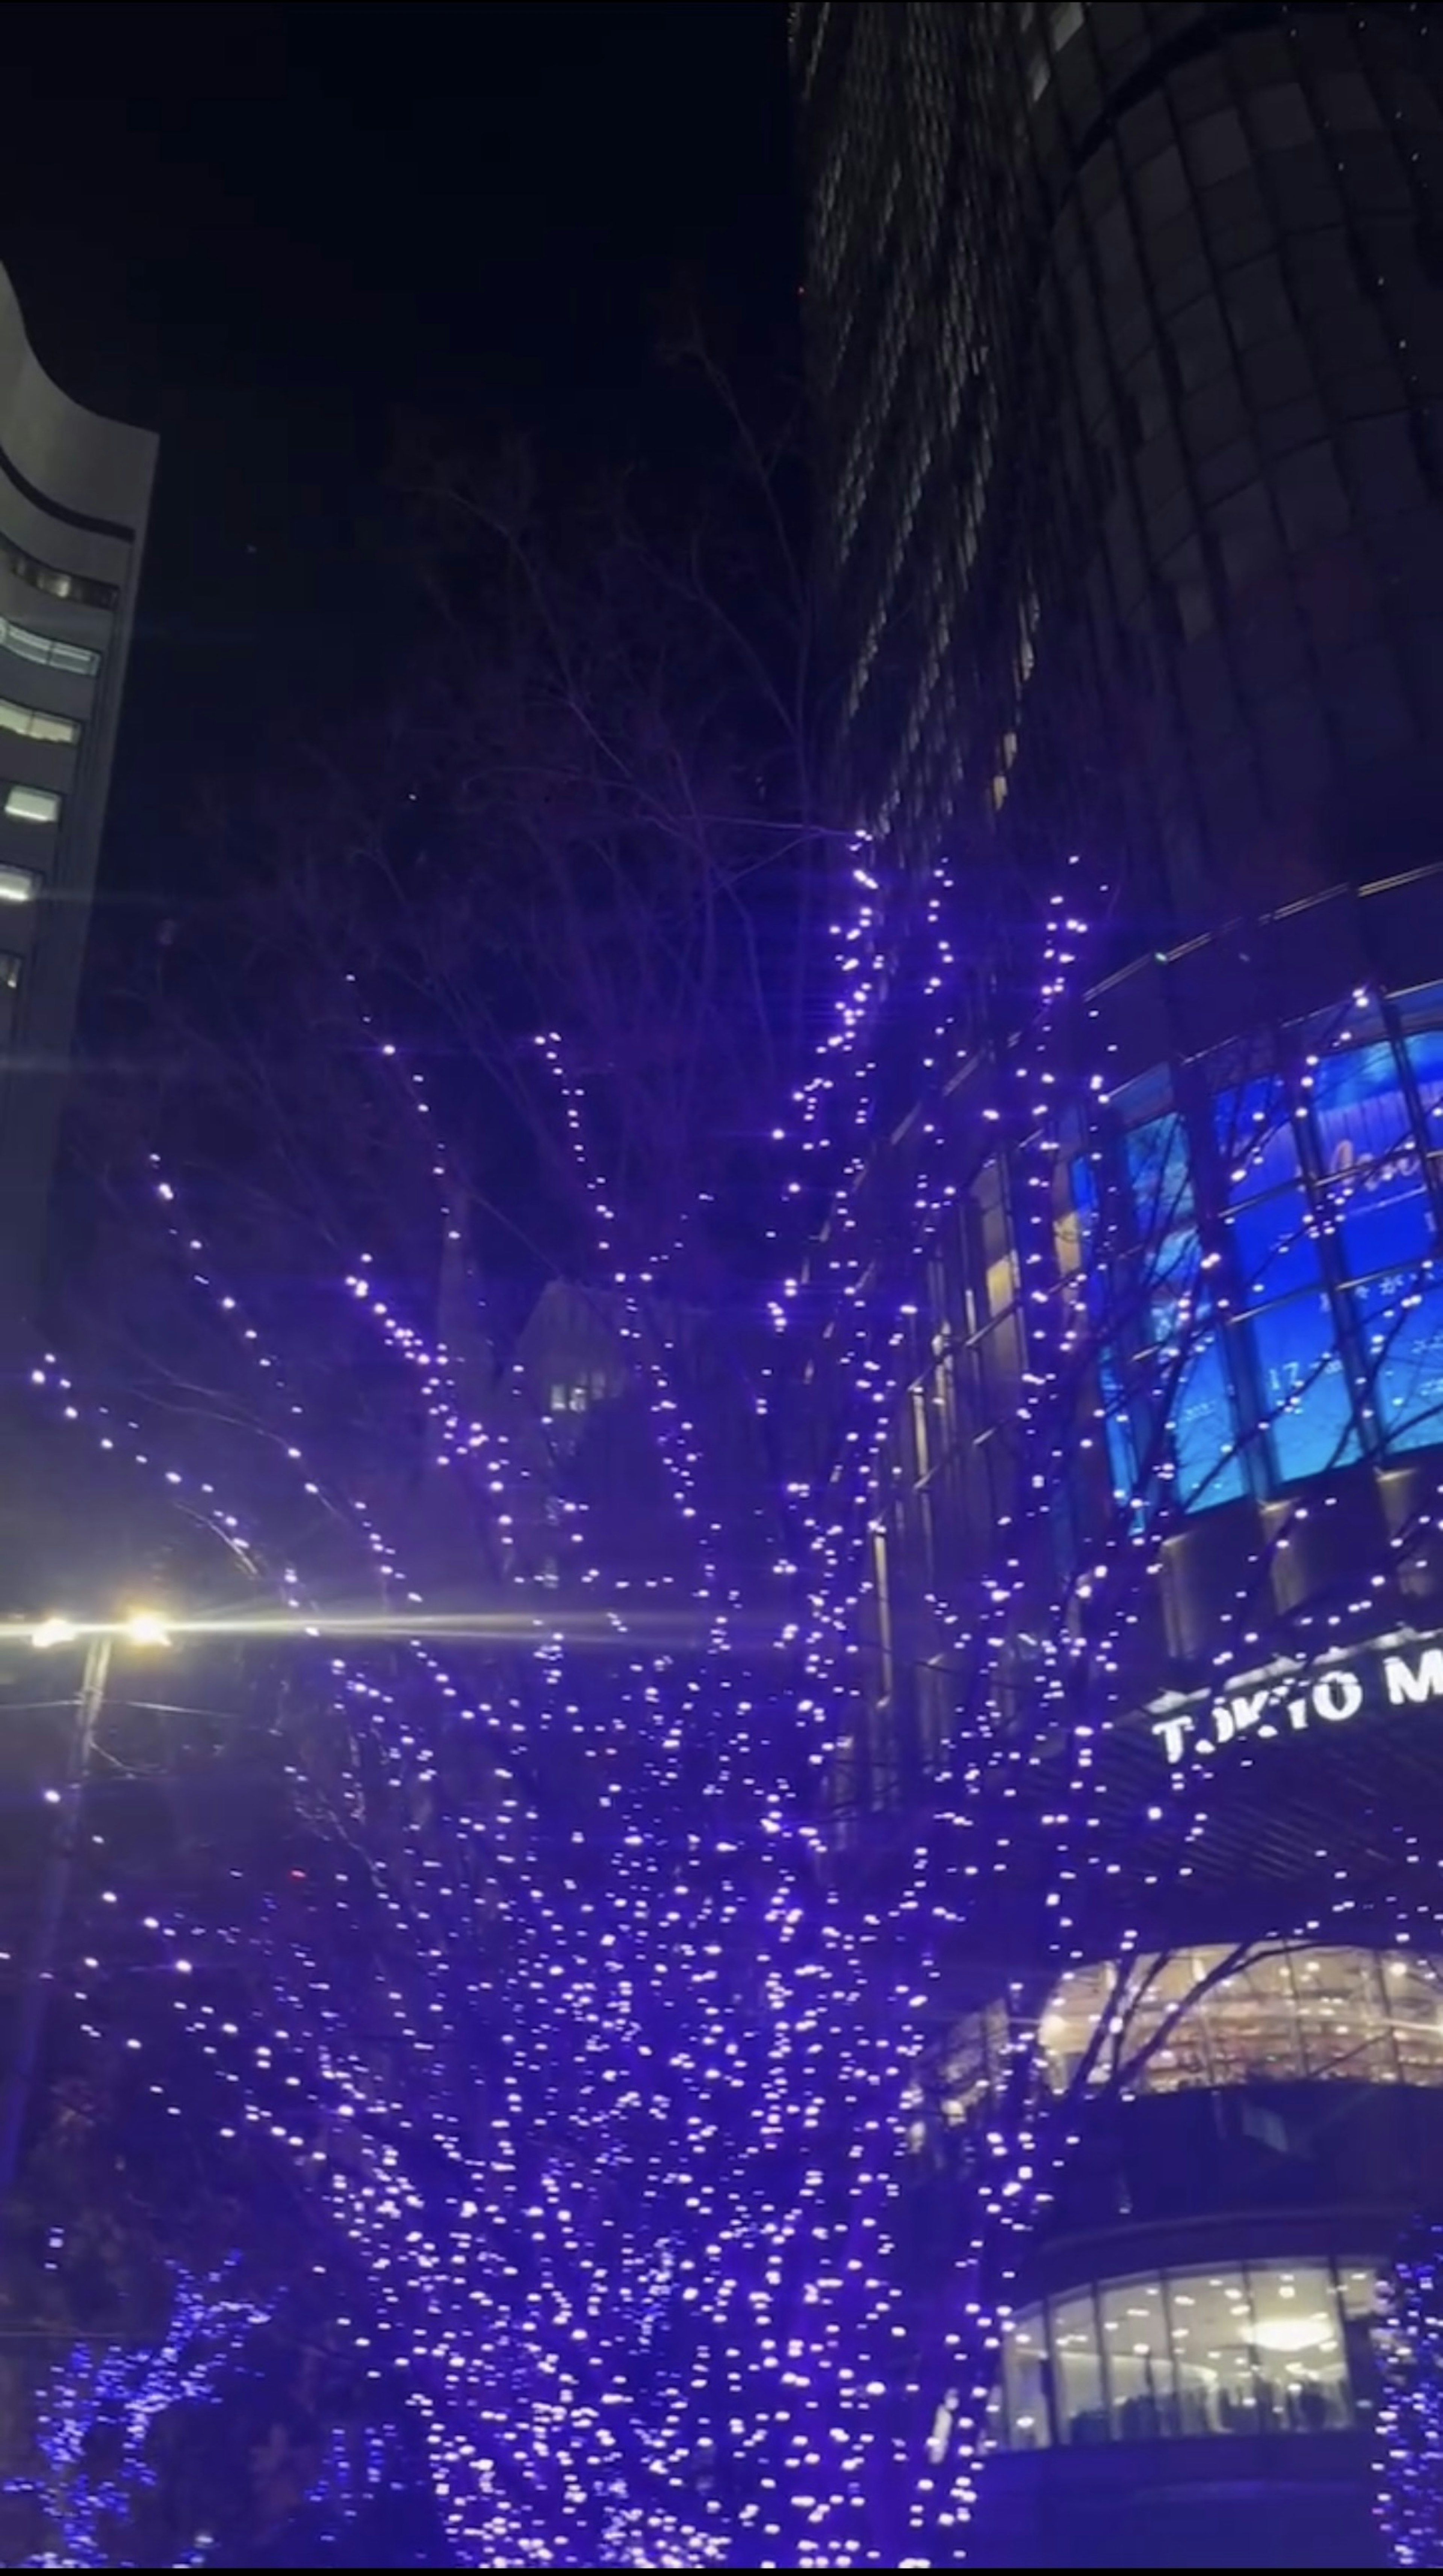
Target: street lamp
{"points": [[142, 1628]]}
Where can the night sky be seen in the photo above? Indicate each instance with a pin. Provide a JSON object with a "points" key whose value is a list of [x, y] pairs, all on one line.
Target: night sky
{"points": [[267, 230]]}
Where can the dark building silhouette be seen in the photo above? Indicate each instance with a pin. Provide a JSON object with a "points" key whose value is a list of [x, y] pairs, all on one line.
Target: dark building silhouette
{"points": [[1128, 375], [1126, 347], [74, 505]]}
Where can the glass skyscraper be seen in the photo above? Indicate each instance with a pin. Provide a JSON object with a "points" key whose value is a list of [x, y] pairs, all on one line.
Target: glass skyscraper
{"points": [[1128, 384], [1125, 331]]}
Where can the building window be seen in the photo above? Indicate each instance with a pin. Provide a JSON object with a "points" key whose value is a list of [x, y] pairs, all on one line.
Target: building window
{"points": [[32, 804], [1316, 1336], [37, 722], [9, 987], [55, 583], [47, 650], [1237, 2348], [1189, 2021], [18, 885]]}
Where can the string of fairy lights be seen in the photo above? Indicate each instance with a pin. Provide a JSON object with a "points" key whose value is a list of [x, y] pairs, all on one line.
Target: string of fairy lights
{"points": [[99, 2403], [756, 2241], [1408, 2433], [596, 2077]]}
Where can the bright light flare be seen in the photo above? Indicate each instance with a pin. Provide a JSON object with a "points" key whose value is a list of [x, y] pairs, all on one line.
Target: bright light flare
{"points": [[146, 1628], [54, 1631], [138, 1628]]}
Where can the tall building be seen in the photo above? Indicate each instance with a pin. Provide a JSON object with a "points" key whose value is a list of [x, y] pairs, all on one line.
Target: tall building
{"points": [[74, 500], [1126, 346], [1129, 392]]}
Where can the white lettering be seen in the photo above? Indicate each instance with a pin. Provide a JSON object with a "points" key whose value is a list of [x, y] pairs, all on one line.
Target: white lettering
{"points": [[1296, 1701], [1337, 1696], [1249, 1712], [1424, 1684], [1174, 1732]]}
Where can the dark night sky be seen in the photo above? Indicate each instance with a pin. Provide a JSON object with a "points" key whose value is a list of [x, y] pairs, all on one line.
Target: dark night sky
{"points": [[262, 229]]}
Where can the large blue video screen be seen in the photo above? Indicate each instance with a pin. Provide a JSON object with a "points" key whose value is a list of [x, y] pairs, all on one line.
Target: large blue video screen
{"points": [[1333, 1339]]}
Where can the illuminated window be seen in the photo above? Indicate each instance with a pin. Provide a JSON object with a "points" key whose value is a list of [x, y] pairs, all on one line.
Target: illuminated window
{"points": [[1192, 2019], [32, 805], [47, 650], [1320, 1337], [9, 987], [55, 583], [34, 721], [1025, 2379], [18, 885], [1275, 2347]]}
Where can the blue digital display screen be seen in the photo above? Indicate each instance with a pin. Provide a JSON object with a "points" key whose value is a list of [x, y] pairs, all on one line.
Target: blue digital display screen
{"points": [[1307, 1400], [1337, 1321], [1402, 1326]]}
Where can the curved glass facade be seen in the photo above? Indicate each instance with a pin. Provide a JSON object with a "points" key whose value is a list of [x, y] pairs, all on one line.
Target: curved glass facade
{"points": [[1250, 1244], [1225, 2018], [1125, 354], [1215, 2352], [1260, 1240]]}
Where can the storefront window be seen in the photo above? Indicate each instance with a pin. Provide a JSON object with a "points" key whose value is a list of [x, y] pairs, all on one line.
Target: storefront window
{"points": [[1273, 2347], [1218, 2017], [1137, 2353], [1076, 2366], [1026, 2383]]}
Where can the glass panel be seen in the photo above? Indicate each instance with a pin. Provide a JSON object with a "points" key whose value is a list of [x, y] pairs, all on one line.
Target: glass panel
{"points": [[1201, 1452], [1256, 1138], [1157, 1165], [1305, 1392], [32, 804], [34, 722], [1414, 1992], [1277, 1255], [1400, 1320], [1297, 2334], [1199, 1459], [1252, 2020], [1425, 1056], [1122, 1456], [1081, 2403], [1360, 2296], [1359, 1111], [1281, 2347], [1213, 2351], [1159, 2001], [1360, 2290], [1383, 1216], [45, 649], [1291, 2016], [1025, 2373], [18, 885], [1341, 2017], [1081, 1994], [1142, 2401]]}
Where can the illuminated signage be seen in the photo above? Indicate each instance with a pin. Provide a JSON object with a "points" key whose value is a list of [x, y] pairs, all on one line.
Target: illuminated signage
{"points": [[1293, 1699]]}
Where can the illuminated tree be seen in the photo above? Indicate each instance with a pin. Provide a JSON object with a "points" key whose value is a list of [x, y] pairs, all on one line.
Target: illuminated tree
{"points": [[585, 2019], [1011, 1780], [1409, 2448]]}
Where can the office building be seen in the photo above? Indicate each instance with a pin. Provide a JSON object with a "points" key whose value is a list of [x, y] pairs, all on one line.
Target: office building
{"points": [[74, 499], [1126, 349]]}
